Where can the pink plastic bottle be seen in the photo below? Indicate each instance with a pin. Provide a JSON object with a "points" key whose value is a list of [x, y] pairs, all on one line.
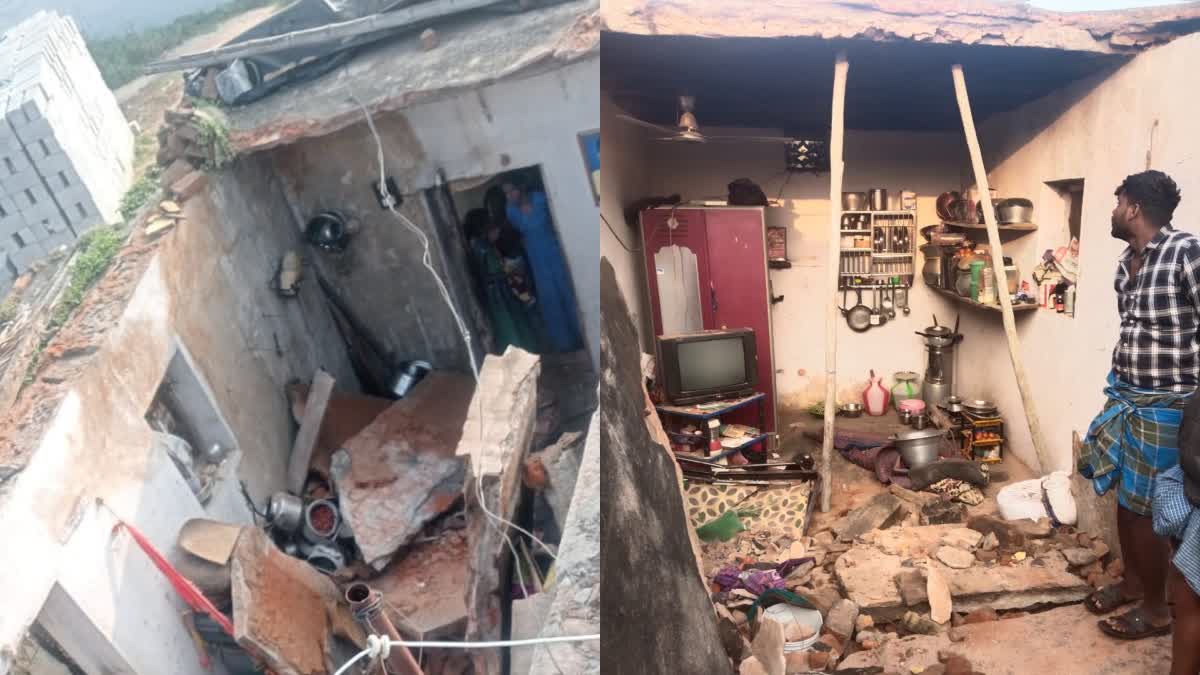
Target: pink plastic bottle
{"points": [[876, 397]]}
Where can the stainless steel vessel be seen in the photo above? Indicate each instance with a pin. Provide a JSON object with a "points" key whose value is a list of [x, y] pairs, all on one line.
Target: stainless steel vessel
{"points": [[939, 371]]}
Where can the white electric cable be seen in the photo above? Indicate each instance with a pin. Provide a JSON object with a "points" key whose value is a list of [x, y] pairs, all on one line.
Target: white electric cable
{"points": [[426, 260], [377, 645]]}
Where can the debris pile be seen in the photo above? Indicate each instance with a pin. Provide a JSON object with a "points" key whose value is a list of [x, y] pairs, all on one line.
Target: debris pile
{"points": [[190, 140], [399, 527], [880, 579]]}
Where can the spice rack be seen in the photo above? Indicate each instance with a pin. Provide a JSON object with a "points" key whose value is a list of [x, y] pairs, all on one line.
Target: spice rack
{"points": [[877, 249]]}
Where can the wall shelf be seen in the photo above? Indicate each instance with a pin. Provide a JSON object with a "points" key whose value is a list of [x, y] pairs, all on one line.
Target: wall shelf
{"points": [[967, 301], [1011, 227]]}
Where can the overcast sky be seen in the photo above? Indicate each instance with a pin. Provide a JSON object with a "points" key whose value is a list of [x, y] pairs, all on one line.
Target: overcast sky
{"points": [[1095, 5]]}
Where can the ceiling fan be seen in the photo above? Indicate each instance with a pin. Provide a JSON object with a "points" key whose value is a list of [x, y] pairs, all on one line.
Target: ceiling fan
{"points": [[688, 129]]}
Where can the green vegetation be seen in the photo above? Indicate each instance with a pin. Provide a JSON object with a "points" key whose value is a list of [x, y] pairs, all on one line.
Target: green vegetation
{"points": [[214, 136], [8, 311], [139, 193], [97, 250], [122, 58]]}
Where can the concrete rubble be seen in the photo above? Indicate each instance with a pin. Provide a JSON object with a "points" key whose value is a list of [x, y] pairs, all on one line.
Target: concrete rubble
{"points": [[285, 611], [494, 441], [429, 560], [401, 471], [869, 574], [423, 590]]}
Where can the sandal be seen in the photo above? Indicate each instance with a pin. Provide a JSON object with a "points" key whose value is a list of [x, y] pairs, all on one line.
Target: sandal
{"points": [[1106, 599], [1132, 625]]}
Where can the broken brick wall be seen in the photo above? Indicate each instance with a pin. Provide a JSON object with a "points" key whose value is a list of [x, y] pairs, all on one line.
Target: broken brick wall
{"points": [[205, 287]]}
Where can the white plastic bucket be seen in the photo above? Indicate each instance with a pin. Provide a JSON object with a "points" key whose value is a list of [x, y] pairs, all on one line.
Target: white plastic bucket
{"points": [[786, 615]]}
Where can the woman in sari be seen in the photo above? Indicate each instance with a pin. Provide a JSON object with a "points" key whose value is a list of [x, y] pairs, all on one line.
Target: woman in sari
{"points": [[509, 316]]}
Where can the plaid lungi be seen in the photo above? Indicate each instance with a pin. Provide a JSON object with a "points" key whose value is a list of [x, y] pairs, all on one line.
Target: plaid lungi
{"points": [[1134, 438]]}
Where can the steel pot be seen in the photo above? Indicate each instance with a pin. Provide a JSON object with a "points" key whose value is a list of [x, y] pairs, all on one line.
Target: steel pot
{"points": [[919, 447], [852, 410], [878, 199], [858, 317], [1014, 210], [854, 201], [285, 511]]}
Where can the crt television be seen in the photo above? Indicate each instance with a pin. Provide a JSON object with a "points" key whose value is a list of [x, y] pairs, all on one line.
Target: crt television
{"points": [[707, 365]]}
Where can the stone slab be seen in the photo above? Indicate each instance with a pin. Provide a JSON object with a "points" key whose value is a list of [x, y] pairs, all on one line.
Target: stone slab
{"points": [[1063, 640], [873, 515], [424, 589], [495, 440], [284, 610], [869, 575], [401, 471]]}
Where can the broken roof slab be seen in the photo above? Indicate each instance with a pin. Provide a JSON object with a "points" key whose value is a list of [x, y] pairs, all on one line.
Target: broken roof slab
{"points": [[969, 22], [473, 51], [772, 67]]}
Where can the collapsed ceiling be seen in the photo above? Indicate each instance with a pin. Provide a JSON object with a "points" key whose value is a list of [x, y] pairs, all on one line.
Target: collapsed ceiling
{"points": [[772, 65]]}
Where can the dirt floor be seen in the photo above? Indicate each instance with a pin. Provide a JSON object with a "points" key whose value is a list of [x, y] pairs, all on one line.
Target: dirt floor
{"points": [[145, 99]]}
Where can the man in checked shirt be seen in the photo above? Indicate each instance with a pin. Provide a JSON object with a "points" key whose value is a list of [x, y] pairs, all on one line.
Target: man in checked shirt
{"points": [[1155, 370]]}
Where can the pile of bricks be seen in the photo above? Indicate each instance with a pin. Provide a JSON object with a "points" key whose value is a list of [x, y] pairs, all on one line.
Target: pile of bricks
{"points": [[66, 150], [182, 151]]}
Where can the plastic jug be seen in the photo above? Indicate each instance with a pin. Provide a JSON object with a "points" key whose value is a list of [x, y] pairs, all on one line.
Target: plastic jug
{"points": [[905, 387], [876, 396]]}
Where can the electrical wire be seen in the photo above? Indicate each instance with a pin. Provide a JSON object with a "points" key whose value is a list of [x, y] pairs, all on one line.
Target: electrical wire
{"points": [[426, 260], [619, 239], [380, 646]]}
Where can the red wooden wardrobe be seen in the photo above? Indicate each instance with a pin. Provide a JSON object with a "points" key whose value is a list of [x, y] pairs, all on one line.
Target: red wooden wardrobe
{"points": [[731, 262]]}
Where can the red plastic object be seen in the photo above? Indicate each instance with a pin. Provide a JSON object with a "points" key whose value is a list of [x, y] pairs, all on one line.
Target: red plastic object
{"points": [[186, 589], [876, 397]]}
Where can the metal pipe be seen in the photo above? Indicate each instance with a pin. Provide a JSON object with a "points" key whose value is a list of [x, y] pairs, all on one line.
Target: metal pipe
{"points": [[367, 605]]}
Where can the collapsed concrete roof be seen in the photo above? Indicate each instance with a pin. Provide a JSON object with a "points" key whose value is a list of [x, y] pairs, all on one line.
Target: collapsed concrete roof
{"points": [[472, 52], [967, 22]]}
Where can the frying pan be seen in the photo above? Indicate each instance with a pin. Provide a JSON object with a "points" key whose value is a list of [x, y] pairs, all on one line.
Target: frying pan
{"points": [[858, 317]]}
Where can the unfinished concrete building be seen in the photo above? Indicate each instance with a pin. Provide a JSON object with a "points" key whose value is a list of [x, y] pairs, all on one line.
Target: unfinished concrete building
{"points": [[66, 149], [191, 335]]}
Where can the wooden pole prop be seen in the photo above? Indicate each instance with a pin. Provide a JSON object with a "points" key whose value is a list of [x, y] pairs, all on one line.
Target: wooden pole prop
{"points": [[989, 217], [840, 68]]}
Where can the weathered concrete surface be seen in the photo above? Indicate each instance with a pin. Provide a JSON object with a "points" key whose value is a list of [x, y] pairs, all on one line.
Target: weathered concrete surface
{"points": [[401, 471], [283, 607], [528, 617], [346, 415], [561, 461], [869, 574], [402, 74], [576, 606], [875, 514], [644, 546], [975, 22], [1062, 640], [80, 430], [496, 440], [424, 589]]}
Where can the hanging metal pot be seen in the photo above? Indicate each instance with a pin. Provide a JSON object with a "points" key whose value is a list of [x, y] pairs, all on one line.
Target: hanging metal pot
{"points": [[858, 317]]}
